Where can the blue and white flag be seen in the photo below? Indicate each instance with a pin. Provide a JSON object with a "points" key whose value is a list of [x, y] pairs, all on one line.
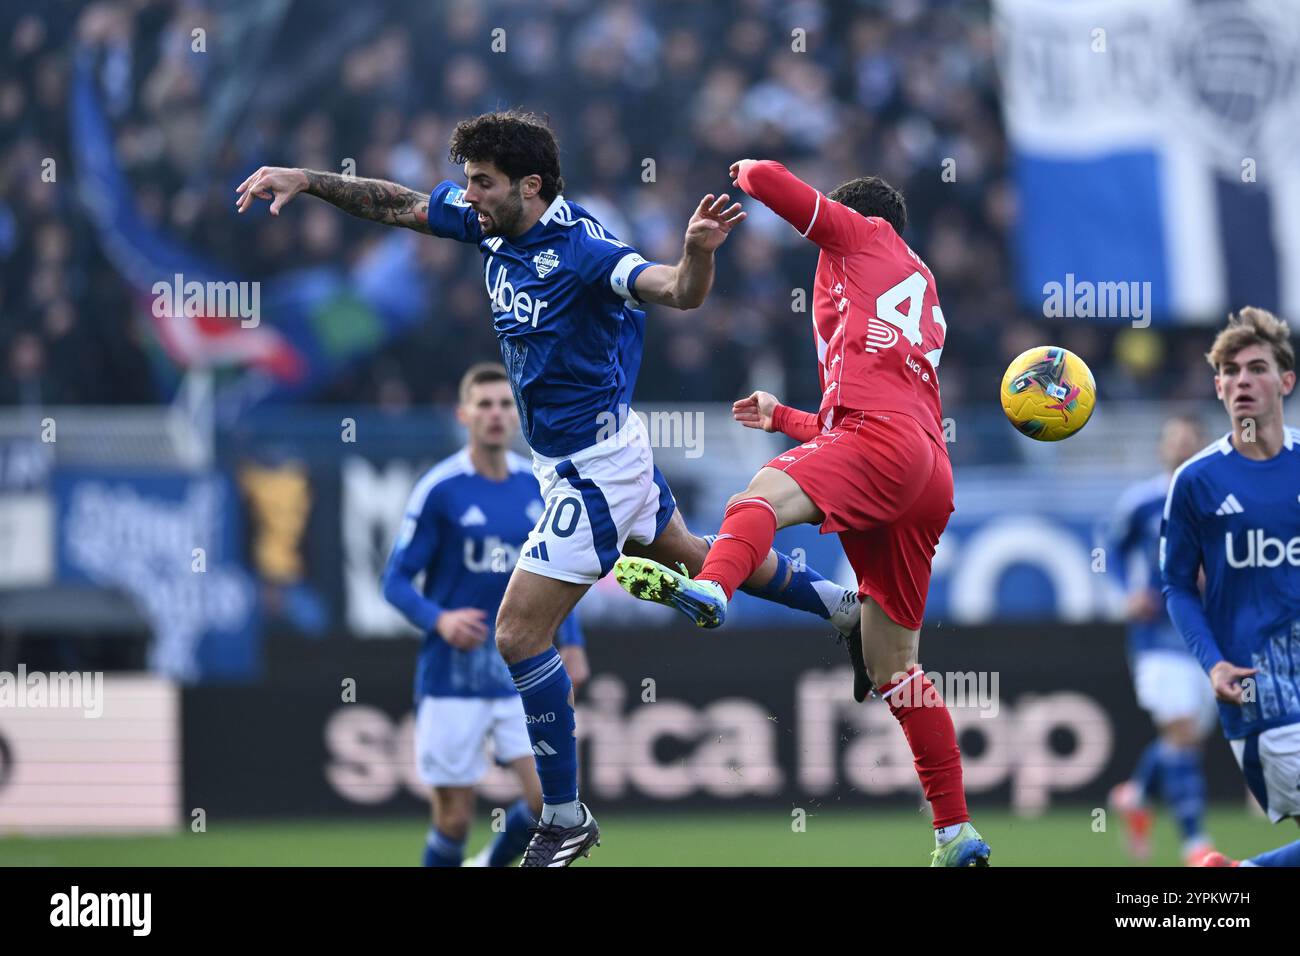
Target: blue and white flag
{"points": [[1155, 149]]}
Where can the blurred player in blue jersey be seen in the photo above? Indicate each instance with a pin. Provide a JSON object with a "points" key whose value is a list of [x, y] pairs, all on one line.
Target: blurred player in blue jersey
{"points": [[566, 300], [1233, 511], [464, 525], [1166, 675]]}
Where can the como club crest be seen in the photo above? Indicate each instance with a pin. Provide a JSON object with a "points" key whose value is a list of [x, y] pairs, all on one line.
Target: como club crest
{"points": [[545, 262]]}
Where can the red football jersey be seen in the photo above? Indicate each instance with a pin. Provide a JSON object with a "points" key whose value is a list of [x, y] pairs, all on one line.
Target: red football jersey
{"points": [[876, 318]]}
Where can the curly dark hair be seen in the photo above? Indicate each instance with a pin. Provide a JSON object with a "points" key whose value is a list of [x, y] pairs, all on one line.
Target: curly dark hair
{"points": [[516, 142], [872, 196]]}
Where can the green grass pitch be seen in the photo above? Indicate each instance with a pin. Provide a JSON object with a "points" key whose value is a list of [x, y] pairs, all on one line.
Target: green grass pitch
{"points": [[1063, 837]]}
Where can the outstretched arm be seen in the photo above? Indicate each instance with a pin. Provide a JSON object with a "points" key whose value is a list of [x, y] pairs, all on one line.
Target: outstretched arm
{"points": [[373, 199], [685, 285], [834, 227]]}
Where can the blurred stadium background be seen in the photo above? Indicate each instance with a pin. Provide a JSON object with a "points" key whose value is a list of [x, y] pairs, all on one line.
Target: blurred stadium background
{"points": [[1032, 150]]}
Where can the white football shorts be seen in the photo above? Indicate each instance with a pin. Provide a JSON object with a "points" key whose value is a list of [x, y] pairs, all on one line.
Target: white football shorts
{"points": [[1270, 761], [1170, 685], [596, 499], [452, 734]]}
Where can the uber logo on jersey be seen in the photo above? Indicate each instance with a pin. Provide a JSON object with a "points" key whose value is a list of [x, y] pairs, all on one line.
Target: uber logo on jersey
{"points": [[545, 262], [505, 299], [1263, 551], [489, 554]]}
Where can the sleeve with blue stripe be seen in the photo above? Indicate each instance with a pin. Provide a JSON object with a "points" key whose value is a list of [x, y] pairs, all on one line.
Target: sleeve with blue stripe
{"points": [[608, 265], [412, 553], [1180, 561], [450, 216]]}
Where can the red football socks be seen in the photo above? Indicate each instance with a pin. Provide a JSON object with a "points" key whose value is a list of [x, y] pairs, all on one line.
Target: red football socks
{"points": [[745, 538], [928, 727]]}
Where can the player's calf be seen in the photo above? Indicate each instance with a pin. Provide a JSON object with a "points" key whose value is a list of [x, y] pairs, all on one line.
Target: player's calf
{"points": [[890, 649], [453, 808], [530, 614], [444, 845]]}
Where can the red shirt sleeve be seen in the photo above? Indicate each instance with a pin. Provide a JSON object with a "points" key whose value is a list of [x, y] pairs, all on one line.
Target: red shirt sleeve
{"points": [[801, 426], [834, 227]]}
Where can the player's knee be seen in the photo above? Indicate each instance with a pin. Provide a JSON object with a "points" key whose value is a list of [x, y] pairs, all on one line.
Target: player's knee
{"points": [[451, 816], [783, 494], [511, 640], [453, 825], [518, 638], [749, 494], [741, 496]]}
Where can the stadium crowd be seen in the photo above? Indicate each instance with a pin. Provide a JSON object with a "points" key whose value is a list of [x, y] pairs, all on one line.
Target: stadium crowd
{"points": [[651, 102]]}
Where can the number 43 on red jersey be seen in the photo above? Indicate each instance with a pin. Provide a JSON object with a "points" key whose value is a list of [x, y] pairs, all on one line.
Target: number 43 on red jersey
{"points": [[876, 317]]}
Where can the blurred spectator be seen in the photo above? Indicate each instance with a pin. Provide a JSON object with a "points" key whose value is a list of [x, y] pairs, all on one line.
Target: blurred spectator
{"points": [[651, 103]]}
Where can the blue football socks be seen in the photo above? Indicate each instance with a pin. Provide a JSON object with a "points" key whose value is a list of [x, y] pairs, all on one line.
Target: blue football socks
{"points": [[545, 687], [798, 586], [442, 850]]}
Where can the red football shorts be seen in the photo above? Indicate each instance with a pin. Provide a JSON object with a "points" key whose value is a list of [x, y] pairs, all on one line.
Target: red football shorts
{"points": [[886, 487]]}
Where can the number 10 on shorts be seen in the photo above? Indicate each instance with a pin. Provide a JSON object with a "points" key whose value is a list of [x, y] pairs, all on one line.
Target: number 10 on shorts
{"points": [[560, 517]]}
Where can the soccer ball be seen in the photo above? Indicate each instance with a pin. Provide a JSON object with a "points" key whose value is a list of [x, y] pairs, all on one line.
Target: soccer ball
{"points": [[1048, 393]]}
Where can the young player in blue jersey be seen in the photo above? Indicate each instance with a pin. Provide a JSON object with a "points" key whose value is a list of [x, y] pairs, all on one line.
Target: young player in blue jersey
{"points": [[1166, 676], [1233, 512], [566, 299], [464, 525]]}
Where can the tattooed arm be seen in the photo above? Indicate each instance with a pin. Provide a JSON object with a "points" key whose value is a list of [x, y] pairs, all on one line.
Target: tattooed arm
{"points": [[373, 199]]}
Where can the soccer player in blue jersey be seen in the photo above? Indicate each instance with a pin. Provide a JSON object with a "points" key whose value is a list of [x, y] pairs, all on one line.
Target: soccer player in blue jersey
{"points": [[1166, 675], [1233, 511], [566, 299], [464, 525]]}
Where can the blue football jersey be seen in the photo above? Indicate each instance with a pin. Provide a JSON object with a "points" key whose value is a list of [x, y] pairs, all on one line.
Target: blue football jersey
{"points": [[564, 311], [1240, 519], [1133, 539], [462, 531]]}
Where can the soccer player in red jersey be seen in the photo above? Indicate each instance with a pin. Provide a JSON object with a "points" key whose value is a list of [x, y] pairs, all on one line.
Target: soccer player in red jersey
{"points": [[871, 465]]}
